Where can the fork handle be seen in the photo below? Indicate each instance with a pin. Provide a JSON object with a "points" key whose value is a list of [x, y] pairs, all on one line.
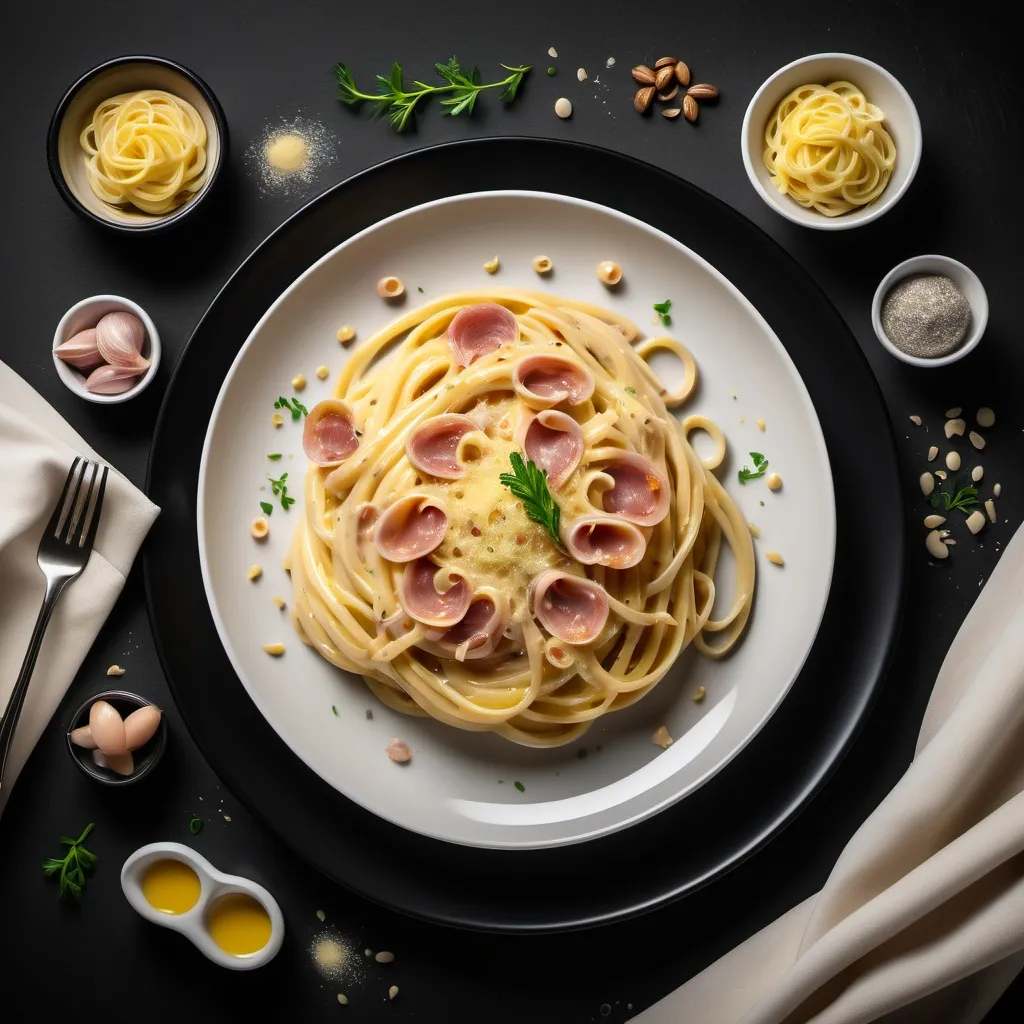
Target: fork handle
{"points": [[9, 721]]}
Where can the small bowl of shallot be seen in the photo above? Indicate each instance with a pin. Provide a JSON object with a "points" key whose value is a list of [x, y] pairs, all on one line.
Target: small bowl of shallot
{"points": [[106, 349], [117, 737]]}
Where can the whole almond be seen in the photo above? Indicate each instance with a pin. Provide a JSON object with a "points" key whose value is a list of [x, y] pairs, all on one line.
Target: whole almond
{"points": [[643, 74], [671, 112], [703, 91], [665, 97], [643, 99], [662, 79], [664, 62], [682, 73], [690, 109]]}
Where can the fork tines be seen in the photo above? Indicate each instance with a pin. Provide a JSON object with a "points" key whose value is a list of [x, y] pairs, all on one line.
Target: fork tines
{"points": [[77, 514]]}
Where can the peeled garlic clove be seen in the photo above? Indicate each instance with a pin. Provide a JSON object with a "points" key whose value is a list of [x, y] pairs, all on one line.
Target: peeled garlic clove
{"points": [[119, 338], [81, 351], [82, 737], [140, 726], [107, 728], [111, 380], [123, 764]]}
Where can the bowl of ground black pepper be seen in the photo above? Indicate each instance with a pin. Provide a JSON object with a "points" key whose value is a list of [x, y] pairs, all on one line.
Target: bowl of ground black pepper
{"points": [[930, 310]]}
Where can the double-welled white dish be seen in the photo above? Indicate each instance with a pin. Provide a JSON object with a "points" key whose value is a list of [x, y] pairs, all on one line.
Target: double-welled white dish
{"points": [[461, 786], [214, 884]]}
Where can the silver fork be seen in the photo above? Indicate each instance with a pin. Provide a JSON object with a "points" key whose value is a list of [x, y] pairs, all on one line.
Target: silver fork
{"points": [[63, 553]]}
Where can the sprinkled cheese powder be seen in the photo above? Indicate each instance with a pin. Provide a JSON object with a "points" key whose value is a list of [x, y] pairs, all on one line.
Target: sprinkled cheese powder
{"points": [[334, 958], [289, 155]]}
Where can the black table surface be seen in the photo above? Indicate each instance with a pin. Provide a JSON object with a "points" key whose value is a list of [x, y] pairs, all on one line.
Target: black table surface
{"points": [[269, 63]]}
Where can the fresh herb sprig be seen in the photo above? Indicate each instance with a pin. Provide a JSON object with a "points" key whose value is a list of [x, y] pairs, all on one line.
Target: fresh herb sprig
{"points": [[961, 500], [662, 309], [459, 90], [530, 485], [279, 488], [759, 470], [295, 407], [74, 865]]}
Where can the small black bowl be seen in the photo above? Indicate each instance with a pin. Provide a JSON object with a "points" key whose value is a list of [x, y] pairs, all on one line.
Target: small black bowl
{"points": [[145, 757], [129, 74]]}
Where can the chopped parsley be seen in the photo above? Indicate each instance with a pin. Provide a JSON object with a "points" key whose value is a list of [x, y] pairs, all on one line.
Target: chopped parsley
{"points": [[334, 710], [630, 390], [294, 406], [267, 507], [759, 470], [195, 826], [420, 290], [279, 488], [72, 868], [519, 786], [274, 456], [662, 309]]}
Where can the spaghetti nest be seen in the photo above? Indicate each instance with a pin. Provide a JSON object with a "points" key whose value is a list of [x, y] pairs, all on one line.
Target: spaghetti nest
{"points": [[827, 147], [417, 566], [145, 149]]}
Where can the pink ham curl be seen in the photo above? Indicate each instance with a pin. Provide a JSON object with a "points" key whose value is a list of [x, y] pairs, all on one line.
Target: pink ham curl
{"points": [[553, 441], [433, 446], [604, 540], [543, 381], [329, 434], [477, 330], [639, 492], [434, 595], [410, 528], [571, 608], [479, 631]]}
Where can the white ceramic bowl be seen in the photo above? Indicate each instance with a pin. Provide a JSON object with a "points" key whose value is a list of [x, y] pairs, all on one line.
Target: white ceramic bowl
{"points": [[87, 313], [965, 279], [213, 885], [880, 87]]}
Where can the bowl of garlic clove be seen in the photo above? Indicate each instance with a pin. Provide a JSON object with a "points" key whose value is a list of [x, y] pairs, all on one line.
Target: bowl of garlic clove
{"points": [[117, 737], [106, 349]]}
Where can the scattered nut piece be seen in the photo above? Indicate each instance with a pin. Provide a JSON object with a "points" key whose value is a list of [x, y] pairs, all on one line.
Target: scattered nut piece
{"points": [[399, 751], [985, 417], [643, 75], [661, 738], [933, 542], [774, 481], [934, 521], [669, 95], [321, 916], [346, 334], [542, 264], [941, 474], [274, 650], [671, 112], [755, 532], [343, 999], [977, 473], [927, 484], [392, 992], [951, 414], [322, 372], [279, 601], [552, 52], [643, 99], [703, 91], [610, 62], [609, 272], [916, 420], [390, 288], [761, 425], [665, 62], [277, 419], [367, 952], [933, 453], [976, 439], [997, 489], [975, 521], [298, 382], [259, 528], [954, 426], [682, 73], [581, 75], [699, 694], [563, 108], [953, 461], [384, 957], [690, 108], [774, 557], [254, 573], [990, 510], [115, 670], [492, 266]]}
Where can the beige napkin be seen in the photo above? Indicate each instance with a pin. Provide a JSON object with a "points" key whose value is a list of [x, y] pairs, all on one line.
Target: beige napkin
{"points": [[922, 918], [37, 448]]}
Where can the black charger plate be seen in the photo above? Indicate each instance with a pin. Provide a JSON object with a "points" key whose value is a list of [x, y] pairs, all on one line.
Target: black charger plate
{"points": [[753, 797]]}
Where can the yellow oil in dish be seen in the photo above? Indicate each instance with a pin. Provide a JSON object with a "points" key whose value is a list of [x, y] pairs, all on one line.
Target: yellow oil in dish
{"points": [[170, 886], [238, 924]]}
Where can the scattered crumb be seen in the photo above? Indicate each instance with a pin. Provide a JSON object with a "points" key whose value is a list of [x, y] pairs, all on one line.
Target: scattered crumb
{"points": [[274, 650], [343, 999], [916, 420], [699, 694], [581, 75], [661, 738], [277, 419], [279, 601], [399, 751], [743, 419], [392, 992], [761, 425], [492, 266], [774, 557], [384, 957], [298, 382], [346, 334], [552, 52], [754, 531], [610, 62], [115, 670], [227, 817], [369, 715], [322, 372], [321, 916], [367, 952], [254, 573]]}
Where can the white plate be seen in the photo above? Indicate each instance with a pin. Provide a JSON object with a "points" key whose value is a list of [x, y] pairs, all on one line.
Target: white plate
{"points": [[460, 786]]}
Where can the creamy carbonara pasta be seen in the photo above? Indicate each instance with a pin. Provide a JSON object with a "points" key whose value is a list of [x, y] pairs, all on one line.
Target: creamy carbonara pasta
{"points": [[419, 565], [827, 148]]}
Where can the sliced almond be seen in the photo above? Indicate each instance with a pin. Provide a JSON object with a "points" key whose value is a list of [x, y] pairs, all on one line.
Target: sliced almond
{"points": [[933, 453], [975, 521], [927, 484], [954, 426], [933, 542], [667, 97], [976, 439], [953, 461], [951, 414], [934, 521], [990, 510], [671, 112]]}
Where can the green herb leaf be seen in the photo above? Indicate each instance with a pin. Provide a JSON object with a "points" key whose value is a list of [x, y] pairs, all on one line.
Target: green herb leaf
{"points": [[962, 500], [529, 484], [420, 290], [760, 468], [274, 457], [519, 786], [335, 710], [72, 867], [195, 826], [630, 390], [267, 507], [662, 309]]}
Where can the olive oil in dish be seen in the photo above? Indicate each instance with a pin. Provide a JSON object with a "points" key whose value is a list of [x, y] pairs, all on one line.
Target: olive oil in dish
{"points": [[239, 924], [171, 886]]}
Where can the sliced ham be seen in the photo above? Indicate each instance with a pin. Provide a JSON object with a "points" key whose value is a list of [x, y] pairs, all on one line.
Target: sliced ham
{"points": [[604, 540], [553, 441], [329, 434], [640, 492], [433, 446], [480, 630], [434, 595], [410, 528], [477, 330], [571, 608], [543, 381]]}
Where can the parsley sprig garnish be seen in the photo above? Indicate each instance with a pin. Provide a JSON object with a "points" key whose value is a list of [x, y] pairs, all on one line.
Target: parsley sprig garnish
{"points": [[662, 309], [74, 865], [759, 470], [459, 91], [530, 485], [962, 499], [279, 488], [295, 407]]}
